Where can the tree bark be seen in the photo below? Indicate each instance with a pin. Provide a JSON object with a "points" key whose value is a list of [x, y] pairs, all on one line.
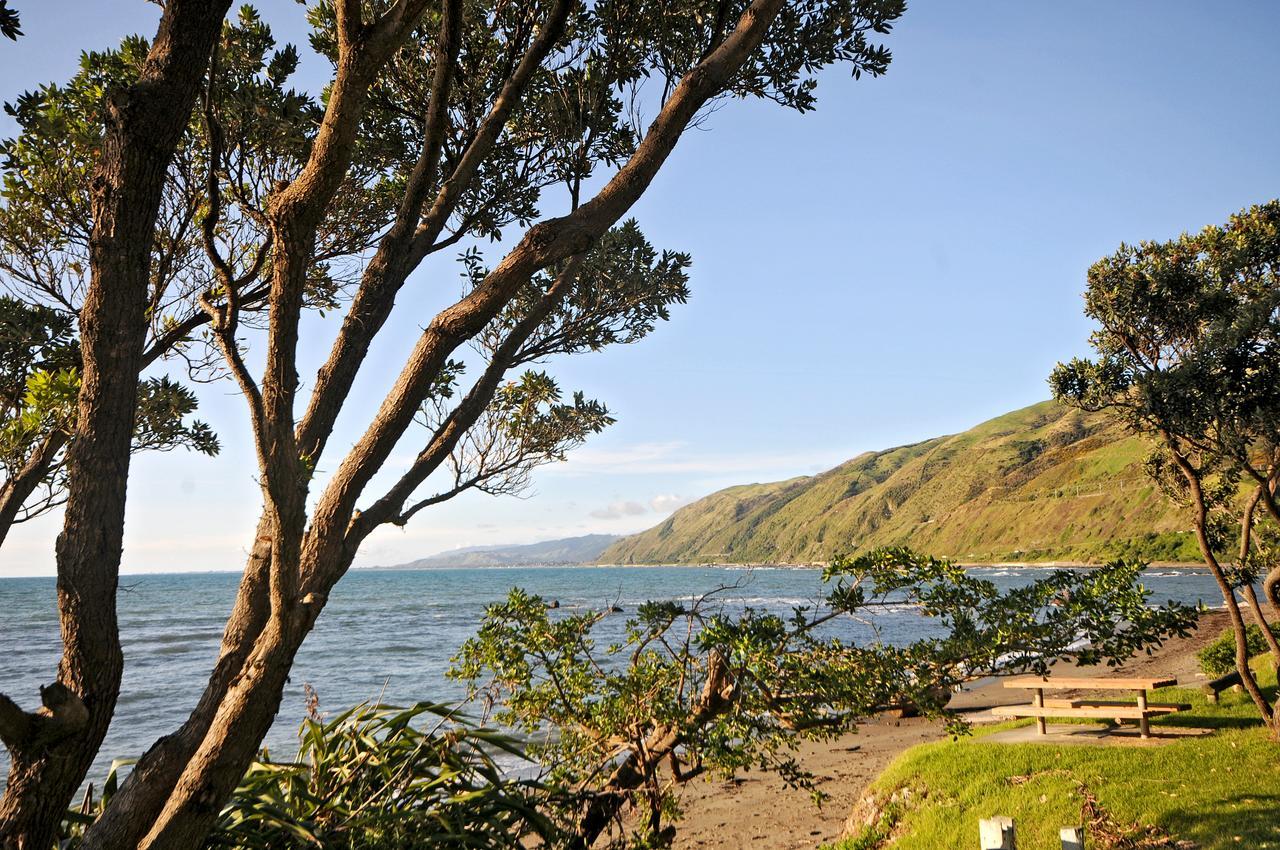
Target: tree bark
{"points": [[718, 694], [243, 719], [143, 126], [544, 244], [269, 583], [410, 240], [1271, 582]]}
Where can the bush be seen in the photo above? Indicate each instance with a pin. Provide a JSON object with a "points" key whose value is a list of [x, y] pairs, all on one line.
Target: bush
{"points": [[1219, 657], [370, 779]]}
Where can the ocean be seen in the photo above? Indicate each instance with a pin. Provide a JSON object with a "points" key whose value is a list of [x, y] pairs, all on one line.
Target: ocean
{"points": [[389, 634]]}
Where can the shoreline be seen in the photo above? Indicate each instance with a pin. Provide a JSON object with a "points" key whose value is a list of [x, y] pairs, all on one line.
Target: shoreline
{"points": [[768, 565], [983, 565]]}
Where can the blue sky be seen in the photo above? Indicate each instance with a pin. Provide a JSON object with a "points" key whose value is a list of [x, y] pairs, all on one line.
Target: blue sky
{"points": [[904, 262]]}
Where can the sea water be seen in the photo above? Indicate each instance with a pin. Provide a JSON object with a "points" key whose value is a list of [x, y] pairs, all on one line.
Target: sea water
{"points": [[389, 634]]}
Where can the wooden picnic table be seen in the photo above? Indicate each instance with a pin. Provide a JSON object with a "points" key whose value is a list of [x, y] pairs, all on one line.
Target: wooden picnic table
{"points": [[1142, 710]]}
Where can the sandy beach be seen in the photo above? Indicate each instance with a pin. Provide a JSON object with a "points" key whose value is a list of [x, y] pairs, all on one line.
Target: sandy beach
{"points": [[757, 811]]}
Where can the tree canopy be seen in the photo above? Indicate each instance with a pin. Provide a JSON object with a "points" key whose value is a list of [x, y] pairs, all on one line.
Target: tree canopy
{"points": [[1188, 352]]}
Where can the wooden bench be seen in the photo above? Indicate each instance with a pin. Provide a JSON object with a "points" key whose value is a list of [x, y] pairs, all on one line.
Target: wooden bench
{"points": [[1213, 688], [1142, 710]]}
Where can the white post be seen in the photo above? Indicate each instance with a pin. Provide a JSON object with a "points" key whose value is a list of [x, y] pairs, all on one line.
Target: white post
{"points": [[997, 834], [1072, 837]]}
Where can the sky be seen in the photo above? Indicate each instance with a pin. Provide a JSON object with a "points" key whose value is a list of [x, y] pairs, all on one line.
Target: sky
{"points": [[906, 261]]}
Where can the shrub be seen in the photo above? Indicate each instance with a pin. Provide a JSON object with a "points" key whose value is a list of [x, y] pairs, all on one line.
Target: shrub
{"points": [[370, 779], [1219, 657]]}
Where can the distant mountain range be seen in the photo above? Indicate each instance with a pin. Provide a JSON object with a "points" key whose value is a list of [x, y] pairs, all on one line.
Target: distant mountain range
{"points": [[1040, 484], [568, 551]]}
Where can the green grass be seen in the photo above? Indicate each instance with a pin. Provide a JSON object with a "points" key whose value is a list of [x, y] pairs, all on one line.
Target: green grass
{"points": [[1220, 790]]}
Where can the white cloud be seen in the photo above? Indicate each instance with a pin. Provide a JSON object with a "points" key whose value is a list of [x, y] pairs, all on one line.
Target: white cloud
{"points": [[618, 510], [665, 503]]}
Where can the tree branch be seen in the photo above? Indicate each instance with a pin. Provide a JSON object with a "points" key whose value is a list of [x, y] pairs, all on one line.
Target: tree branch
{"points": [[389, 507], [62, 715], [295, 213], [17, 489], [15, 724], [543, 245], [409, 242], [225, 319]]}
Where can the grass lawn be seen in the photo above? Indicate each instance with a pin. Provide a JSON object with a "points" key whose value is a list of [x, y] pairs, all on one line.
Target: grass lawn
{"points": [[1219, 791]]}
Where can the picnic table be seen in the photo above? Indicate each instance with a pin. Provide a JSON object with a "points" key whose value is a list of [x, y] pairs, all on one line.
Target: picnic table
{"points": [[1119, 710]]}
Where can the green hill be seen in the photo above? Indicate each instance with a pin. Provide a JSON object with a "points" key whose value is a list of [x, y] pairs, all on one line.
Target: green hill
{"points": [[1045, 483]]}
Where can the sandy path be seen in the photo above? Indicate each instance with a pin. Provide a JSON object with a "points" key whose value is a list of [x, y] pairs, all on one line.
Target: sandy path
{"points": [[756, 811]]}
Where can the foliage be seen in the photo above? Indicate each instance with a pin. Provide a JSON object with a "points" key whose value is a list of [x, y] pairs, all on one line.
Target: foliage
{"points": [[10, 24], [39, 366], [623, 288], [1217, 790], [377, 777], [1177, 547], [700, 686], [1219, 657], [263, 129], [39, 384], [46, 221], [1189, 351]]}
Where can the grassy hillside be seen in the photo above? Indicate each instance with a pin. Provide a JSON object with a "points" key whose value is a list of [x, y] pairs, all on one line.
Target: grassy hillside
{"points": [[1042, 483]]}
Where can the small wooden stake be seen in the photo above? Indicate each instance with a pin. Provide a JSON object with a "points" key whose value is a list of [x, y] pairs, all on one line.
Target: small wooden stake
{"points": [[1072, 837], [997, 834]]}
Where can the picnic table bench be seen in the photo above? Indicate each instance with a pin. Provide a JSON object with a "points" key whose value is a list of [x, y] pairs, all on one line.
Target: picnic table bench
{"points": [[1040, 708]]}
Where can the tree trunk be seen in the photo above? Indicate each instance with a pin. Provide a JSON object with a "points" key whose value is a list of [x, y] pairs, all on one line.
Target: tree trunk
{"points": [[142, 796], [1271, 590], [241, 722], [1271, 582], [1251, 595], [1229, 598], [718, 694], [144, 125]]}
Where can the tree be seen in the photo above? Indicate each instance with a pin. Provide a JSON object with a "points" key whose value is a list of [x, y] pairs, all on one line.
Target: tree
{"points": [[52, 748], [46, 219], [1188, 353], [458, 122], [704, 687]]}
